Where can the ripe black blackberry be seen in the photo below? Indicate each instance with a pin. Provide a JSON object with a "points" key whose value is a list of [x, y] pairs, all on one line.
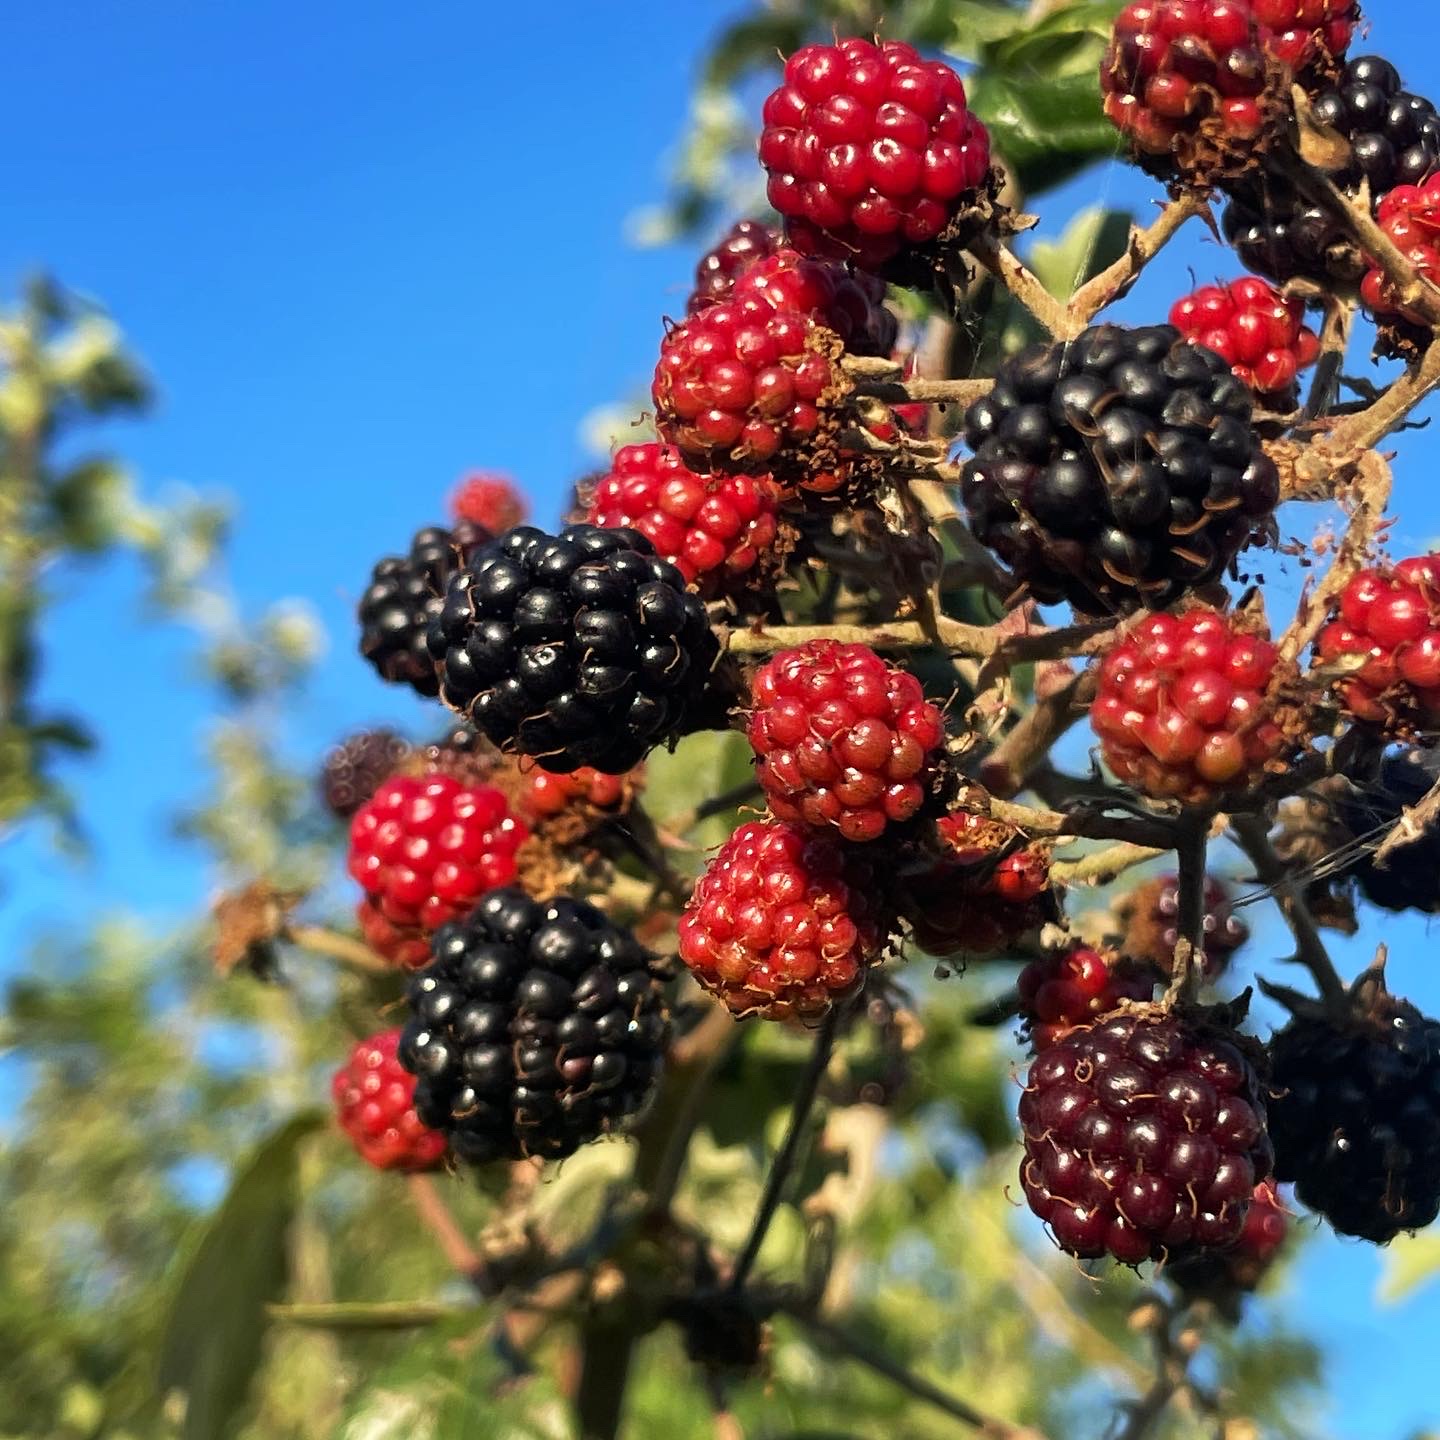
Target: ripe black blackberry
{"points": [[1116, 470], [1355, 1114], [357, 767], [577, 649], [1410, 877], [1394, 140], [536, 1028], [405, 593]]}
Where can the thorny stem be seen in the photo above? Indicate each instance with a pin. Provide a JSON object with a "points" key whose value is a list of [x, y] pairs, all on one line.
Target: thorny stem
{"points": [[1114, 281], [1411, 825], [1086, 823], [790, 1147], [1102, 867], [1253, 836], [1010, 763], [990, 1426], [1171, 1377], [1024, 285]]}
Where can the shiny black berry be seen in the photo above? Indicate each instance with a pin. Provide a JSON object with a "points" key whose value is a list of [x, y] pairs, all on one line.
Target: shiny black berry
{"points": [[404, 594], [537, 1027], [1355, 1116], [1118, 470], [578, 649]]}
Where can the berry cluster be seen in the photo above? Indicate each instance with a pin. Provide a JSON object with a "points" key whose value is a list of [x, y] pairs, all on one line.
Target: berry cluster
{"points": [[1386, 636], [1356, 1116], [577, 649], [1117, 470], [843, 739], [1144, 1138], [405, 593], [849, 302], [1410, 216], [869, 149], [375, 1106], [1067, 989], [717, 531], [535, 1028], [745, 244], [490, 501], [544, 795], [424, 850], [783, 923], [986, 889], [1151, 915], [1185, 706], [1300, 33], [1260, 332]]}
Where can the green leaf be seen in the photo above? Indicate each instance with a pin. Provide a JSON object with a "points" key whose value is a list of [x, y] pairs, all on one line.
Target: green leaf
{"points": [[1092, 240], [753, 44], [1038, 91], [1410, 1261], [216, 1322], [701, 767], [974, 24], [88, 503]]}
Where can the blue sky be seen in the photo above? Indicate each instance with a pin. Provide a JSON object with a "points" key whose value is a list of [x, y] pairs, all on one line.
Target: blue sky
{"points": [[363, 248]]}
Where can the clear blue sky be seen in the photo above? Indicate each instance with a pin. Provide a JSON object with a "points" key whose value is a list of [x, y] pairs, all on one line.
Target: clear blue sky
{"points": [[363, 247]]}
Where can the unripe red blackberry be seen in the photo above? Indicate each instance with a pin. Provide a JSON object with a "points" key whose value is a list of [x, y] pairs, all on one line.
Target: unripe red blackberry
{"points": [[1388, 623], [743, 387], [424, 849], [984, 892], [1116, 470], [1260, 332], [1188, 82], [578, 649], [493, 502], [1185, 706], [745, 244], [1355, 1116], [783, 923], [1151, 916], [404, 595], [842, 738], [1302, 34], [544, 794], [716, 530], [849, 302], [536, 1028], [355, 768], [1222, 1276], [374, 1104], [870, 149], [1074, 987], [1410, 216], [1144, 1137]]}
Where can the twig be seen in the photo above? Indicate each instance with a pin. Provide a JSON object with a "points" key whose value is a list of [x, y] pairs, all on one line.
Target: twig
{"points": [[1334, 341], [1006, 768], [606, 1349], [1086, 823], [435, 1214], [1254, 840], [1370, 426], [1024, 285], [730, 799], [1189, 954], [990, 1426], [1113, 282], [351, 953], [789, 1150], [1411, 825], [1102, 867]]}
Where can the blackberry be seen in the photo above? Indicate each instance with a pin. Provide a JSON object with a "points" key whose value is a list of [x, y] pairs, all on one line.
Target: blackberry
{"points": [[1394, 139], [404, 595], [1116, 470], [357, 767], [1151, 916], [1410, 877], [744, 245], [535, 1029], [1223, 1276], [578, 649], [1356, 1114], [1144, 1137]]}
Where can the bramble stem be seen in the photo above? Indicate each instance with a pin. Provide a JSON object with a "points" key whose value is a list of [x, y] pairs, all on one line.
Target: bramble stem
{"points": [[1189, 948]]}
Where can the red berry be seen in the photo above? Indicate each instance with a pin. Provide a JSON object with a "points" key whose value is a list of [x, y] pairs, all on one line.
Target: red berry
{"points": [[847, 301], [425, 849], [1300, 33], [1388, 622], [743, 245], [1075, 987], [715, 530], [1410, 216], [490, 501], [374, 1103], [1260, 332], [843, 738], [782, 923], [1182, 707], [1144, 1138], [742, 387], [870, 149], [544, 795]]}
